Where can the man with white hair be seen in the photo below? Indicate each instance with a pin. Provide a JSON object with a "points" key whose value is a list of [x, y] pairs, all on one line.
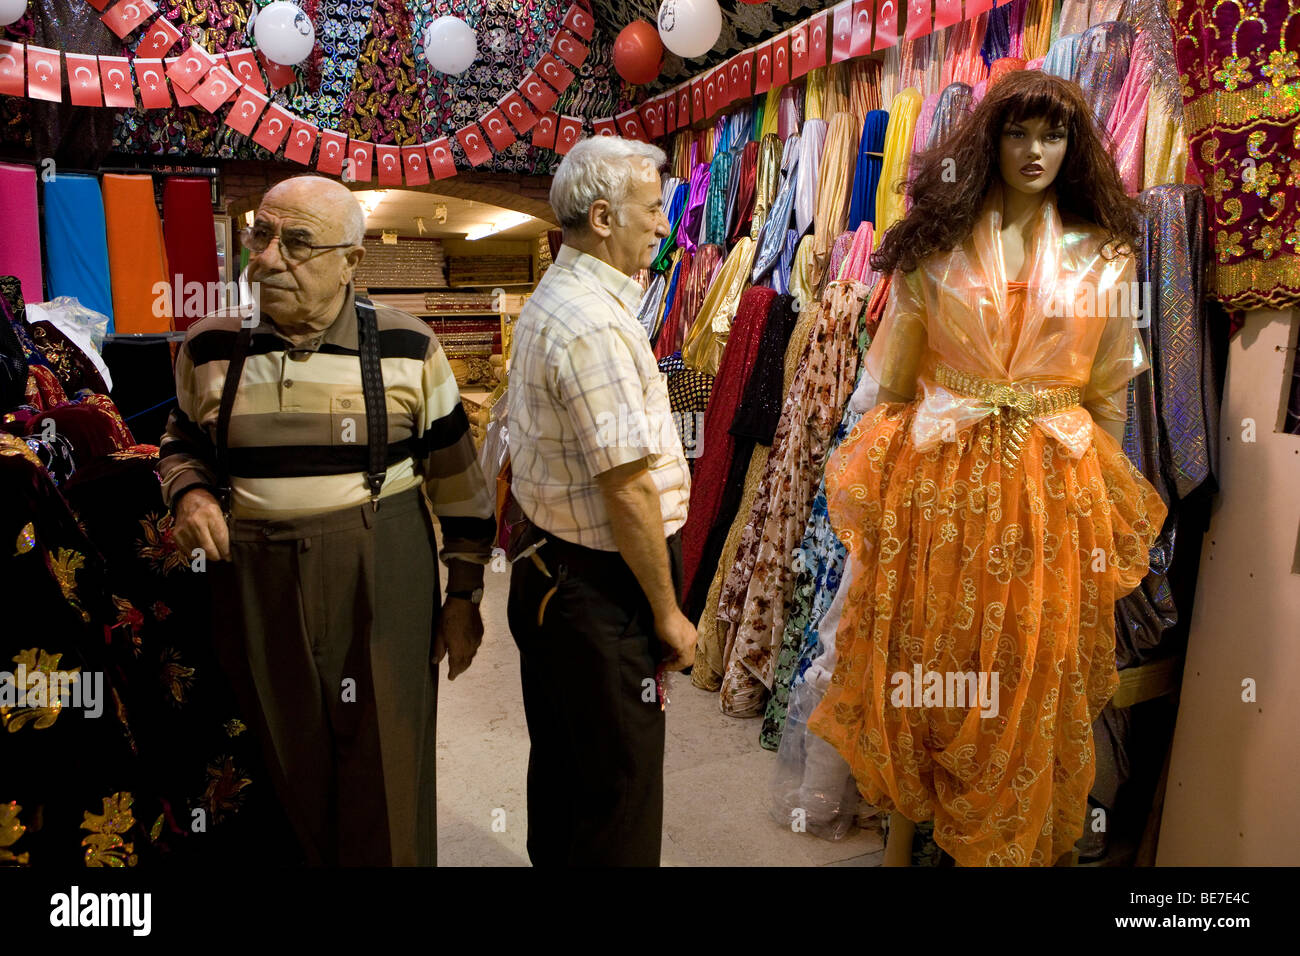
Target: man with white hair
{"points": [[598, 469], [309, 449]]}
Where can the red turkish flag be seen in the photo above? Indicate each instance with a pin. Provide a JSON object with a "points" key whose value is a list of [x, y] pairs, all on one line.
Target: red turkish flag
{"points": [[224, 63], [440, 160], [186, 70], [545, 130], [781, 60], [517, 112], [763, 69], [652, 117], [554, 72], [388, 159], [151, 77], [567, 132], [605, 126], [842, 31], [127, 15], [99, 4], [579, 21], [244, 114], [333, 150], [244, 65], [273, 128], [683, 105], [799, 51], [159, 39], [277, 74], [216, 88], [629, 124], [115, 78], [537, 92], [710, 96], [817, 40], [975, 7], [886, 24], [862, 19], [83, 80], [13, 56], [734, 91], [301, 142], [415, 162], [497, 129], [569, 48], [747, 73], [947, 13], [44, 78], [919, 22], [471, 140], [670, 112], [697, 99], [358, 168], [720, 76]]}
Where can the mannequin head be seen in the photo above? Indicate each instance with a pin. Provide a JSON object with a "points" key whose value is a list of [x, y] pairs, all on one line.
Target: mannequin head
{"points": [[1027, 118]]}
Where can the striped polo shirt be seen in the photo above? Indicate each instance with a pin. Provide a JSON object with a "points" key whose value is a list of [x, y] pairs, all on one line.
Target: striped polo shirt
{"points": [[298, 435]]}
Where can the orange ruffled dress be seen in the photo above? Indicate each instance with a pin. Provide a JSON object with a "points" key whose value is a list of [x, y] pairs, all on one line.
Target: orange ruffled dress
{"points": [[983, 545]]}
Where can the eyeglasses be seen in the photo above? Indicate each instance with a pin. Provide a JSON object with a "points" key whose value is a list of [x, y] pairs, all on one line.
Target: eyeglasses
{"points": [[257, 238]]}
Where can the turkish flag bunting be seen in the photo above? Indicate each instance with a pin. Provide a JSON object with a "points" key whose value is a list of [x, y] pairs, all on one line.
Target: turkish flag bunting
{"points": [[128, 15], [333, 150], [277, 74], [389, 161], [244, 65], [886, 24], [567, 132], [159, 39], [683, 105], [301, 142], [554, 72], [216, 88], [842, 31], [629, 123], [537, 92], [652, 117], [83, 80], [747, 73], [569, 48], [99, 4], [186, 70], [223, 62], [521, 117], [151, 78], [440, 160], [416, 164], [919, 19], [579, 21], [44, 79], [781, 59], [860, 45], [244, 114], [947, 13], [670, 112], [115, 78], [763, 69], [544, 131], [799, 51], [471, 140], [975, 7], [12, 57], [711, 96], [358, 167], [605, 126], [817, 42], [724, 86], [734, 92], [273, 128], [497, 129], [697, 100]]}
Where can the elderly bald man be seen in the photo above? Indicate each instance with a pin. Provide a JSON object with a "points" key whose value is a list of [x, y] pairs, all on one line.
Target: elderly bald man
{"points": [[310, 447]]}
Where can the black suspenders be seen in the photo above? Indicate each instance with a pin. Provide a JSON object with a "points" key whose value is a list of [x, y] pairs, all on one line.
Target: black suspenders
{"points": [[372, 386]]}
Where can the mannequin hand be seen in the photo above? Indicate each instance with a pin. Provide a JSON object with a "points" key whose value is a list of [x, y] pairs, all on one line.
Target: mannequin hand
{"points": [[460, 632], [199, 523]]}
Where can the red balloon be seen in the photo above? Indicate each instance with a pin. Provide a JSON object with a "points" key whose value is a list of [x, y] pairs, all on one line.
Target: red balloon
{"points": [[638, 52]]}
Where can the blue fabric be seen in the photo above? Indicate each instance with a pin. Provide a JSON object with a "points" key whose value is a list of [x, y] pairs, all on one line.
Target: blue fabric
{"points": [[1063, 56], [866, 177], [672, 294], [997, 35], [76, 242]]}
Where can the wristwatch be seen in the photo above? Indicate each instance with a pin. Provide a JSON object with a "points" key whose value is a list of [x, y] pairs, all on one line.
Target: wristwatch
{"points": [[474, 597]]}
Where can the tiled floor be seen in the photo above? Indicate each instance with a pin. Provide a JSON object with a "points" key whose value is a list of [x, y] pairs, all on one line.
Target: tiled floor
{"points": [[716, 777]]}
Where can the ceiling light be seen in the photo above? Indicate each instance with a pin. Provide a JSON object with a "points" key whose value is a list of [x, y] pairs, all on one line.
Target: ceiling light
{"points": [[502, 223]]}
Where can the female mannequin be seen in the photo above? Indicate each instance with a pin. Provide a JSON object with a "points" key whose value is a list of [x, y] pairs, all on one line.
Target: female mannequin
{"points": [[990, 515]]}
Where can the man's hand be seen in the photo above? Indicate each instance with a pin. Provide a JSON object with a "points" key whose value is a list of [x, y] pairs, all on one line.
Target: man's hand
{"points": [[460, 631], [199, 523], [676, 632]]}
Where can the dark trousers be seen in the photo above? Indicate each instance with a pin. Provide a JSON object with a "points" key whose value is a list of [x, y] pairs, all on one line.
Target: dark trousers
{"points": [[325, 626], [595, 768]]}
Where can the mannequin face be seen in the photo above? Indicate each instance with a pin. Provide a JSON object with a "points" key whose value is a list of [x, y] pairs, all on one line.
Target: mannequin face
{"points": [[1030, 153]]}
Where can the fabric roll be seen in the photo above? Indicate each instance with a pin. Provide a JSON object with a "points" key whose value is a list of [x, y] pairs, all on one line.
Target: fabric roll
{"points": [[768, 179], [137, 257], [669, 339], [20, 253], [924, 120], [1063, 57], [839, 257], [866, 175], [652, 300], [835, 97], [861, 89], [670, 297], [1037, 37], [674, 208], [688, 235], [955, 102], [771, 111], [76, 244], [1128, 120], [814, 95], [1035, 64], [707, 337], [800, 283], [834, 183], [1003, 66], [772, 238], [1165, 156], [740, 216], [812, 142], [790, 112], [779, 278], [191, 245], [962, 61], [855, 266], [713, 229], [997, 36], [897, 155], [1105, 50]]}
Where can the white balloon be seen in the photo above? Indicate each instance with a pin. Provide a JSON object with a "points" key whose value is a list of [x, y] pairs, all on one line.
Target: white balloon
{"points": [[450, 45], [283, 32], [689, 28], [11, 11]]}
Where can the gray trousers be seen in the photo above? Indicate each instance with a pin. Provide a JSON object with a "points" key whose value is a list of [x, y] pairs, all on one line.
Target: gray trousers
{"points": [[325, 626]]}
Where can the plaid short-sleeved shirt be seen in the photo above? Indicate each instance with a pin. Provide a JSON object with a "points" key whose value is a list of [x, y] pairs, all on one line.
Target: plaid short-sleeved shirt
{"points": [[585, 396]]}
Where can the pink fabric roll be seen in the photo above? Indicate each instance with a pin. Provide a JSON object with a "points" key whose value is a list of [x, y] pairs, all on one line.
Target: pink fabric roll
{"points": [[789, 116], [20, 252], [1127, 123]]}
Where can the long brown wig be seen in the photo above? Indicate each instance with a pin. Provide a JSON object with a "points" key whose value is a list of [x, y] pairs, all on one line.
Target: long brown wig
{"points": [[944, 210]]}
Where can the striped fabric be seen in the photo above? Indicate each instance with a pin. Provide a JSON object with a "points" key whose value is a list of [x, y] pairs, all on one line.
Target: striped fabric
{"points": [[298, 425]]}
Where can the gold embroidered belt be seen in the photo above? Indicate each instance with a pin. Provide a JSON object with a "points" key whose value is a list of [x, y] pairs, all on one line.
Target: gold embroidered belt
{"points": [[1024, 400]]}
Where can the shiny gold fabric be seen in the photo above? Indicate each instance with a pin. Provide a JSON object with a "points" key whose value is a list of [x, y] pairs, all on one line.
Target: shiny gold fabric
{"points": [[890, 205], [1037, 38], [834, 186], [771, 113], [768, 177], [864, 87], [707, 337], [1165, 159], [813, 94], [802, 286]]}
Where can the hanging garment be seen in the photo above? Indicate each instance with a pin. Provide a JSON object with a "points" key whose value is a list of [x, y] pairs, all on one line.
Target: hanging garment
{"points": [[191, 245], [897, 157], [772, 240], [137, 258], [1063, 58], [707, 337], [834, 184], [20, 253], [955, 102], [1128, 120], [76, 245], [1037, 36], [1104, 53], [986, 519], [866, 174], [812, 142], [741, 212]]}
